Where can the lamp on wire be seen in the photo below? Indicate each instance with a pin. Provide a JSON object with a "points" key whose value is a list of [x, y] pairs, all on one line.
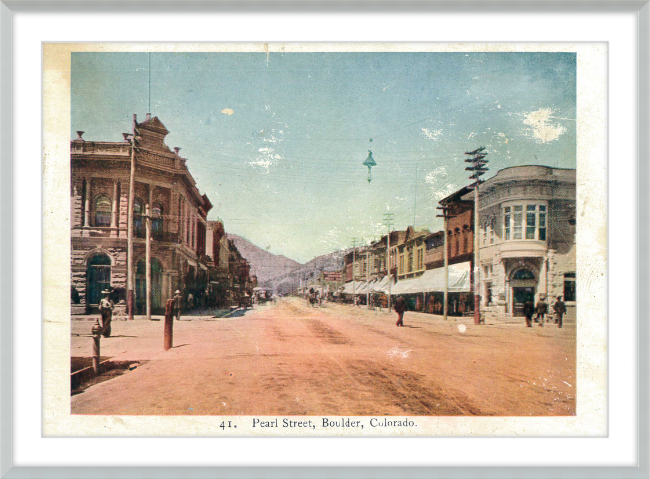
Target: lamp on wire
{"points": [[370, 162]]}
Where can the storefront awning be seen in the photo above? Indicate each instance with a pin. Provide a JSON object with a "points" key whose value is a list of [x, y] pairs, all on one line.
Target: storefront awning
{"points": [[433, 280]]}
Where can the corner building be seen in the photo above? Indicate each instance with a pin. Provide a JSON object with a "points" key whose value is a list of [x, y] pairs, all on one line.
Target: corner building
{"points": [[527, 218], [99, 202]]}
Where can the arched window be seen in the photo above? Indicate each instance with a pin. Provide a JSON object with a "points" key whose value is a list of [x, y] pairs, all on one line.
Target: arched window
{"points": [[103, 211], [485, 232], [157, 222], [138, 219], [492, 234], [524, 274]]}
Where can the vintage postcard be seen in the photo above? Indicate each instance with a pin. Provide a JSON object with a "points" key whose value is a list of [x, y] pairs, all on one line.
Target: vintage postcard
{"points": [[325, 240]]}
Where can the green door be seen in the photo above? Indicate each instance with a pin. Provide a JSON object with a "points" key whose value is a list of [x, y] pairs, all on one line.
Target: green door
{"points": [[98, 276]]}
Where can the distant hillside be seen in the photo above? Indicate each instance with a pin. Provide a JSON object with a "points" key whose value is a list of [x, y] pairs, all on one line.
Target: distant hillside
{"points": [[327, 262], [264, 265]]}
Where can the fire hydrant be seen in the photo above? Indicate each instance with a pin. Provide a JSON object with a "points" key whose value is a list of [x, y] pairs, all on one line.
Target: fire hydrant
{"points": [[96, 331]]}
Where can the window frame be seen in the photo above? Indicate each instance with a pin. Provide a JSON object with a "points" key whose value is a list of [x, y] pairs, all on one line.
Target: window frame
{"points": [[109, 215], [533, 218]]}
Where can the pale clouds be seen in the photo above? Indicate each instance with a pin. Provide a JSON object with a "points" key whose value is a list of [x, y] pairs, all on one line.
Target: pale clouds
{"points": [[439, 182], [432, 134], [228, 111], [267, 158], [542, 128]]}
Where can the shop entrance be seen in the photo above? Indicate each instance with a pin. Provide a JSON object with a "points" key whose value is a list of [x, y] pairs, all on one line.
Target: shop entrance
{"points": [[519, 297], [524, 286]]}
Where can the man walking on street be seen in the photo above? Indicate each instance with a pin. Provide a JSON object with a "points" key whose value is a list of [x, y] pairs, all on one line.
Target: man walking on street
{"points": [[400, 307], [542, 309], [106, 310], [560, 308], [178, 300], [529, 310]]}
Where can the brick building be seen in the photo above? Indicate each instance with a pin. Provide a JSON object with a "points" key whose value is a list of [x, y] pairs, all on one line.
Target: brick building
{"points": [[99, 202]]}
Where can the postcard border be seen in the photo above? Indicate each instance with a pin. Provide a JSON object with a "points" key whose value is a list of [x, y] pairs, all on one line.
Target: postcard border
{"points": [[7, 8]]}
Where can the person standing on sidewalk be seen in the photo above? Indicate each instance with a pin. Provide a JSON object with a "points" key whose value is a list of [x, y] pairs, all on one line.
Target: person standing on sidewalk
{"points": [[106, 310], [542, 309], [178, 304], [529, 310], [400, 307], [560, 308]]}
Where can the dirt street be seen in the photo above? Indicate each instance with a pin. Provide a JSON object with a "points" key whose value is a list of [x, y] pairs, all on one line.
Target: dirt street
{"points": [[291, 359]]}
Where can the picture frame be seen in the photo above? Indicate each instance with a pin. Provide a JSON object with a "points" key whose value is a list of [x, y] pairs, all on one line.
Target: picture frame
{"points": [[7, 10]]}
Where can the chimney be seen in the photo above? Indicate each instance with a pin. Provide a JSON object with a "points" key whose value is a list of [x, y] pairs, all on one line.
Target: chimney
{"points": [[148, 117], [177, 149], [80, 133]]}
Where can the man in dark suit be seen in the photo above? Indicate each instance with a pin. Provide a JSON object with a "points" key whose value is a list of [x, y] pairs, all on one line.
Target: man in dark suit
{"points": [[400, 307], [529, 310]]}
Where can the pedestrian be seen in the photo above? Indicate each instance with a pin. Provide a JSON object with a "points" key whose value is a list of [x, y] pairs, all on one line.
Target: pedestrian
{"points": [[106, 310], [560, 308], [190, 301], [178, 304], [542, 309], [529, 310], [400, 307]]}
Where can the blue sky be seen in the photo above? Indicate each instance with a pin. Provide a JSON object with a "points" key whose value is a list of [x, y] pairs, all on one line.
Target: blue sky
{"points": [[277, 142]]}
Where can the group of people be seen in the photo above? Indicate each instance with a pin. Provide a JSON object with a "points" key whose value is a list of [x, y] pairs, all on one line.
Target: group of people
{"points": [[540, 311]]}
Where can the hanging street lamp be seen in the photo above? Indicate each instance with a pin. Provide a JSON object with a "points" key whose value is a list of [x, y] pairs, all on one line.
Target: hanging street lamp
{"points": [[370, 162]]}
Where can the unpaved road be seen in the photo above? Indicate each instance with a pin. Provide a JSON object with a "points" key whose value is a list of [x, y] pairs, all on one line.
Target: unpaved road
{"points": [[290, 359]]}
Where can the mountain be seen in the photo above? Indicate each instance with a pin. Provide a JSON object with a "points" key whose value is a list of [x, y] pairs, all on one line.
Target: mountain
{"points": [[264, 265], [284, 283]]}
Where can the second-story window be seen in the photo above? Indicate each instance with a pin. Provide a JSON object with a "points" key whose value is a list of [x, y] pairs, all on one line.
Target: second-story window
{"points": [[157, 222], [410, 261], [517, 222], [492, 230], [526, 222], [103, 211], [138, 219]]}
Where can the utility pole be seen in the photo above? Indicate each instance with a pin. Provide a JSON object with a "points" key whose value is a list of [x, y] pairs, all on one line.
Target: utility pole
{"points": [[478, 168], [415, 194], [445, 214], [388, 221], [148, 261], [368, 277], [129, 227], [354, 279]]}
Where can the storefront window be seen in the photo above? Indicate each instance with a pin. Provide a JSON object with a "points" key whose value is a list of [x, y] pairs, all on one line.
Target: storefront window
{"points": [[569, 286]]}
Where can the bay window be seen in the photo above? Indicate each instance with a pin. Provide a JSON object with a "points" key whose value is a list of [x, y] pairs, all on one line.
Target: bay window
{"points": [[526, 221]]}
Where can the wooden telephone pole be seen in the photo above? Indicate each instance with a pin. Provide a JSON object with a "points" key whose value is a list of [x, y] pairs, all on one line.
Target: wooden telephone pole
{"points": [[445, 214], [388, 221], [478, 168]]}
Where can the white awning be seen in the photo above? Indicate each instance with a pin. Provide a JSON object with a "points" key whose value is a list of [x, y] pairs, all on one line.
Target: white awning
{"points": [[433, 280]]}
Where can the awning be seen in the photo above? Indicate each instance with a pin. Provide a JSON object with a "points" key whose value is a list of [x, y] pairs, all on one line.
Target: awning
{"points": [[433, 280], [347, 289], [381, 286], [405, 286]]}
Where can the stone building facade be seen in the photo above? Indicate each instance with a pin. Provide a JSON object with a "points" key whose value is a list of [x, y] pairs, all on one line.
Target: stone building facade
{"points": [[99, 202], [526, 238]]}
